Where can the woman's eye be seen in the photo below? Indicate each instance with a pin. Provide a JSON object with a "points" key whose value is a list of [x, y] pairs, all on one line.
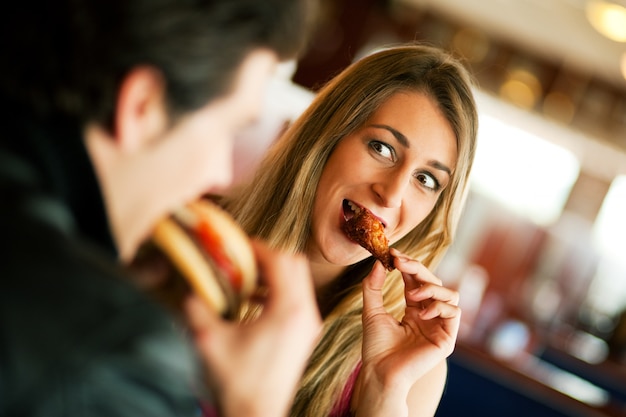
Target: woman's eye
{"points": [[382, 149], [428, 181]]}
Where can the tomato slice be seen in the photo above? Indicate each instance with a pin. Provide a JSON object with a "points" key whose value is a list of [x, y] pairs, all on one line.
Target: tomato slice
{"points": [[213, 245]]}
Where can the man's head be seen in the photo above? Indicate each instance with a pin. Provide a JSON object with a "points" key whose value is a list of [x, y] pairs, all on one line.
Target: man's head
{"points": [[160, 87], [71, 56]]}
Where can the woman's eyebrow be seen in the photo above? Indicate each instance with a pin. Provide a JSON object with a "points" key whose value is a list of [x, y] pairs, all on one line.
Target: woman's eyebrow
{"points": [[399, 136], [442, 167]]}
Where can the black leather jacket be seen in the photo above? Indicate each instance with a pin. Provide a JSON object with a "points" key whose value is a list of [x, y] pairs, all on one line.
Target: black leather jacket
{"points": [[76, 339]]}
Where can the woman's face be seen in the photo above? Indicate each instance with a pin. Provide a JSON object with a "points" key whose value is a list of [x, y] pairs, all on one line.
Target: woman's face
{"points": [[396, 166]]}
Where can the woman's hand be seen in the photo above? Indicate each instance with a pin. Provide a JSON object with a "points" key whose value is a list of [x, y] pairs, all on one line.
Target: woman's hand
{"points": [[257, 365], [397, 354]]}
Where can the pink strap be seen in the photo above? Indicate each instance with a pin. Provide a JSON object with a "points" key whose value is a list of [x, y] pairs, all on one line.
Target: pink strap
{"points": [[342, 407]]}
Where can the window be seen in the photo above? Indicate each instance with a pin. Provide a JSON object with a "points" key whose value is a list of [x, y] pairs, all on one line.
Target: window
{"points": [[529, 175], [608, 290], [610, 227]]}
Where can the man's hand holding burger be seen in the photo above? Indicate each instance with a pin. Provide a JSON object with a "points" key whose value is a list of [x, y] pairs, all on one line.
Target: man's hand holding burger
{"points": [[199, 262], [269, 352]]}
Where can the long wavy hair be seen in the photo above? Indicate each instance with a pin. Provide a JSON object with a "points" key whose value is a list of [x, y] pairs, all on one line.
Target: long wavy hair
{"points": [[276, 205]]}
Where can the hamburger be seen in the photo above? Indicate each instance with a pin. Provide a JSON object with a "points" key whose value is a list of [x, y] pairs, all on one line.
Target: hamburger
{"points": [[203, 245]]}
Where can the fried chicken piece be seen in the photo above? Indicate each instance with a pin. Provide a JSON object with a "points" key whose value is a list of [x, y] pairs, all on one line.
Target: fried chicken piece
{"points": [[366, 230]]}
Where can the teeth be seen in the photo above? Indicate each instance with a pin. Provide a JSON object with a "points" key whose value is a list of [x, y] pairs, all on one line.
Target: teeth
{"points": [[356, 209]]}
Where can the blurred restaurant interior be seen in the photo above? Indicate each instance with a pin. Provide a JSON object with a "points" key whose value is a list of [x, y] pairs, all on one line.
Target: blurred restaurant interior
{"points": [[540, 255]]}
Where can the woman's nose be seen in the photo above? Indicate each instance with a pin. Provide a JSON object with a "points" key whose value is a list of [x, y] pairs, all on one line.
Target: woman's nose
{"points": [[391, 189]]}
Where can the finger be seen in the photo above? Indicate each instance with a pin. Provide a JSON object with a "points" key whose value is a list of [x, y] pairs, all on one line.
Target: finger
{"points": [[262, 255], [439, 309], [200, 317], [432, 292], [287, 277], [372, 290], [413, 271], [210, 333], [289, 297]]}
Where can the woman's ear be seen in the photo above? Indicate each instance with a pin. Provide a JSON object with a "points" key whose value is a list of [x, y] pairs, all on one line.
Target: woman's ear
{"points": [[140, 114]]}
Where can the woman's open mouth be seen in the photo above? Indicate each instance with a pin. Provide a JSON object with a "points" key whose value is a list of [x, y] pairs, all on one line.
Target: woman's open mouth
{"points": [[351, 209]]}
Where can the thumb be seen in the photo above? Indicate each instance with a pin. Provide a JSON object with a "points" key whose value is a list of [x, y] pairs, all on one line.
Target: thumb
{"points": [[203, 322], [373, 290]]}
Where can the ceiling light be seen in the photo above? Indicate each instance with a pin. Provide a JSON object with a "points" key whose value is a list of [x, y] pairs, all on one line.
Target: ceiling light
{"points": [[608, 18], [522, 88]]}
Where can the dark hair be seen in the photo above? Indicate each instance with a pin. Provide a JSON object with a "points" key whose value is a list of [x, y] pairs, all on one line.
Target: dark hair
{"points": [[69, 56]]}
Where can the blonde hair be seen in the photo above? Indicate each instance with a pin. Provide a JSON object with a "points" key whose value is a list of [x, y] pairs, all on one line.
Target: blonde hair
{"points": [[276, 206]]}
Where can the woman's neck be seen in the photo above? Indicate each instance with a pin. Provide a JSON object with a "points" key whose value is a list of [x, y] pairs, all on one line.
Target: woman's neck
{"points": [[324, 274], [324, 279], [333, 283]]}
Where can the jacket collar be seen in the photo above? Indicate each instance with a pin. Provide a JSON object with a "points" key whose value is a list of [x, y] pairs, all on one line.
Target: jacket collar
{"points": [[50, 160]]}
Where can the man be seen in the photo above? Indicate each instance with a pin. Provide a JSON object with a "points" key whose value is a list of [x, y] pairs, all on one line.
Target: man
{"points": [[115, 112]]}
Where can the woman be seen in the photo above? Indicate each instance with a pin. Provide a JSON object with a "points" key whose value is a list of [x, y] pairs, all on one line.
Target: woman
{"points": [[394, 133]]}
